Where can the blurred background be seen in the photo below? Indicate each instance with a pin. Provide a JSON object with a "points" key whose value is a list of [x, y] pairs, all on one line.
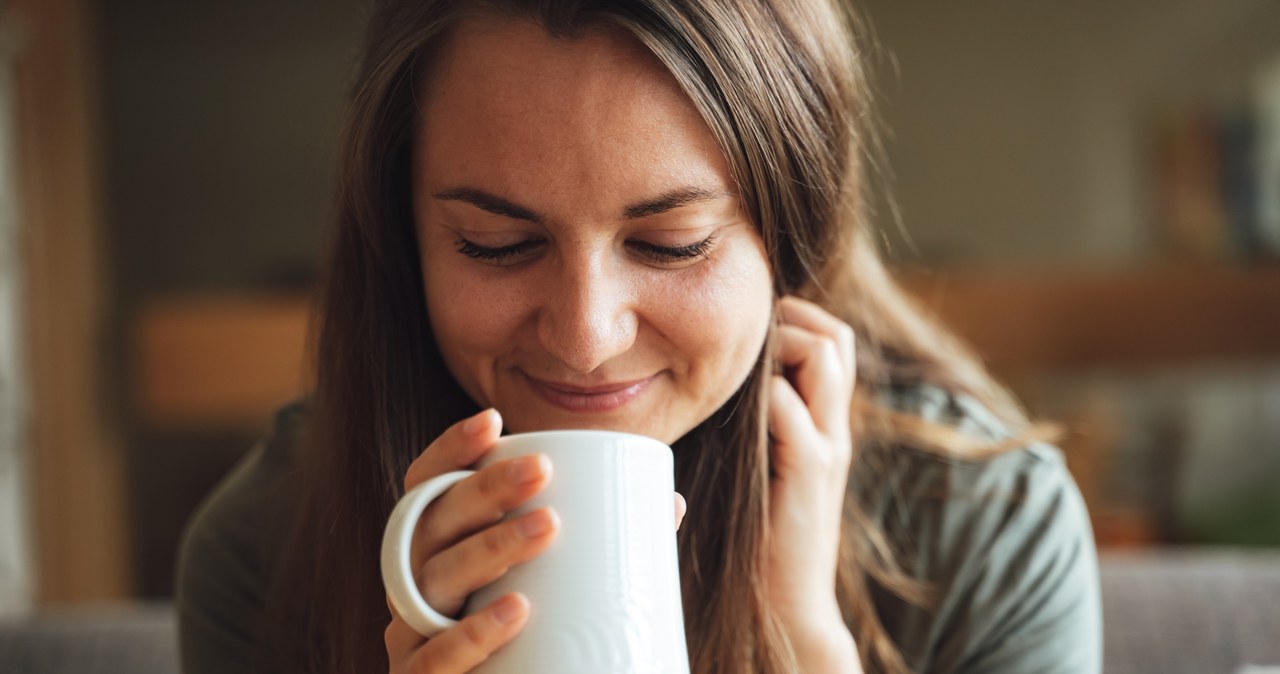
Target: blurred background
{"points": [[1089, 192]]}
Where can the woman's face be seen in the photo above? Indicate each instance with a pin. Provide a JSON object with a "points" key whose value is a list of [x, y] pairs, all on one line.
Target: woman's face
{"points": [[586, 261]]}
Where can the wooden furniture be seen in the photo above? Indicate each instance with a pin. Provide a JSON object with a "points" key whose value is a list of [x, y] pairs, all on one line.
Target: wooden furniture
{"points": [[1128, 318], [80, 528], [219, 361]]}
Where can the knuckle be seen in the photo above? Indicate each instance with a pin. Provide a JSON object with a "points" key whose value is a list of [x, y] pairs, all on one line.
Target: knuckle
{"points": [[828, 348], [438, 582], [491, 482], [846, 335], [429, 527], [826, 356], [416, 474], [431, 659], [782, 393], [474, 635], [494, 542], [428, 577]]}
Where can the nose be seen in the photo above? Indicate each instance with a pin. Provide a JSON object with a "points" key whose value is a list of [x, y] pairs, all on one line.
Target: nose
{"points": [[588, 313]]}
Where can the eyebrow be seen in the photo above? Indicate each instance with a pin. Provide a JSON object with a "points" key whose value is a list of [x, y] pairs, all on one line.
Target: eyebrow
{"points": [[489, 202], [667, 201]]}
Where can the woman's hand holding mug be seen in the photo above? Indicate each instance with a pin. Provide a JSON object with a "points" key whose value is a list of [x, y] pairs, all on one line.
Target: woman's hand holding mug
{"points": [[461, 544]]}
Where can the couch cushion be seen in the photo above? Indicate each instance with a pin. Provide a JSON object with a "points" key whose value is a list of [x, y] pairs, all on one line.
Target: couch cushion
{"points": [[107, 640], [1190, 611]]}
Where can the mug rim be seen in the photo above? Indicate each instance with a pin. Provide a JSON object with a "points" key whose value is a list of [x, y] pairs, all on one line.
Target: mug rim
{"points": [[583, 433]]}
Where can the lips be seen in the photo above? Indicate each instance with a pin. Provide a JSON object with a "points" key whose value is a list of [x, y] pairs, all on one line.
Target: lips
{"points": [[594, 399]]}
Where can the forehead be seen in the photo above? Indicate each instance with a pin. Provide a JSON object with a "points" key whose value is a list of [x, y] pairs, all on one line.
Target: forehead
{"points": [[508, 106]]}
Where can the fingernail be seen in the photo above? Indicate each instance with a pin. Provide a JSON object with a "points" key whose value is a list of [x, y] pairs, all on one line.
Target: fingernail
{"points": [[477, 423], [536, 523], [507, 610], [527, 469]]}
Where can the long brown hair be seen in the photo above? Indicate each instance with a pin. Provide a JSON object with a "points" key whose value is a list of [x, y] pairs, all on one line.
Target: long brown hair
{"points": [[782, 86]]}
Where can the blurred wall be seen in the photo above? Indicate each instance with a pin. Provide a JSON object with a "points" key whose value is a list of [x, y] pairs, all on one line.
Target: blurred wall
{"points": [[1020, 128], [219, 121]]}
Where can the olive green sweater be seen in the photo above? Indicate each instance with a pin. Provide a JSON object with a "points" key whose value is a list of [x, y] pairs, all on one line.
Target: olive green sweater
{"points": [[1005, 544]]}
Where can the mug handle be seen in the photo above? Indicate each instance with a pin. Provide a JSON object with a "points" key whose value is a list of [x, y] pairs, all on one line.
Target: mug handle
{"points": [[397, 575]]}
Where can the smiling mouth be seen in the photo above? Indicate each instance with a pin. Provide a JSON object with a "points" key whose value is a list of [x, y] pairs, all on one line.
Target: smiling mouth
{"points": [[589, 399]]}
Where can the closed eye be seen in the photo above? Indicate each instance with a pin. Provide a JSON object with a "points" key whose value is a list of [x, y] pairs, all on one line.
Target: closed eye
{"points": [[519, 251], [674, 253], [501, 255]]}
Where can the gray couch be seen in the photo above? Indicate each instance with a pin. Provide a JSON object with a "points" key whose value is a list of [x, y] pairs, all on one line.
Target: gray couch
{"points": [[128, 639], [1192, 612], [1198, 612]]}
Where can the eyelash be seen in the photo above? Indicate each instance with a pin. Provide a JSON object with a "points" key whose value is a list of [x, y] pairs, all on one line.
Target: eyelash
{"points": [[509, 254], [677, 253], [502, 255]]}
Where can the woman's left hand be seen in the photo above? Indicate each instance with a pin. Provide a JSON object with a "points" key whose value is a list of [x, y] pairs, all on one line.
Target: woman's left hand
{"points": [[811, 450]]}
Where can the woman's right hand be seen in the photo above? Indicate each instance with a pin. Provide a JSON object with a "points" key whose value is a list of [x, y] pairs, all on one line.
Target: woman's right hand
{"points": [[462, 544]]}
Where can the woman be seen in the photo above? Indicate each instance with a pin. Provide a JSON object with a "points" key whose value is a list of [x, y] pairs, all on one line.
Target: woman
{"points": [[651, 217]]}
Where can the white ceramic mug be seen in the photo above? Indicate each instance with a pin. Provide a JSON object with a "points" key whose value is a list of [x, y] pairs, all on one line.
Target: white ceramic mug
{"points": [[605, 596]]}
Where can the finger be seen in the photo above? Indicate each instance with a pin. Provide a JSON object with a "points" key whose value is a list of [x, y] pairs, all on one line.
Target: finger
{"points": [[479, 501], [681, 509], [400, 639], [804, 314], [461, 446], [794, 435], [465, 645], [448, 578], [819, 377]]}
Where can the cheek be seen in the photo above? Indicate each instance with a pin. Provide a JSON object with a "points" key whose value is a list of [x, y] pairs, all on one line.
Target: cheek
{"points": [[720, 321], [472, 319]]}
